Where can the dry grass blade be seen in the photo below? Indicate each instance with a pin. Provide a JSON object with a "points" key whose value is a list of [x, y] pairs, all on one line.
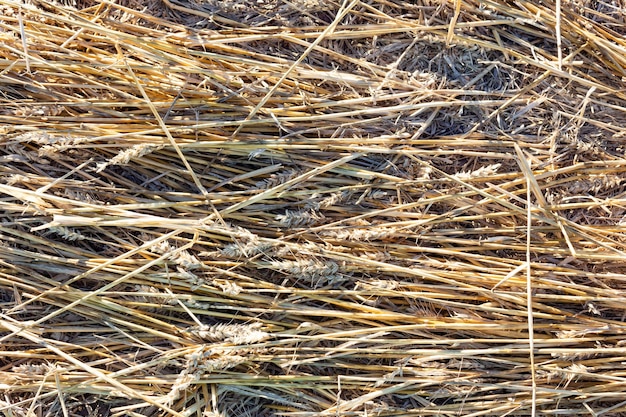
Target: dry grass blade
{"points": [[302, 208]]}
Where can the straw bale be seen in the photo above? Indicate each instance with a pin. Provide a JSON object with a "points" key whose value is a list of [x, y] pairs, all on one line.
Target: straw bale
{"points": [[312, 208]]}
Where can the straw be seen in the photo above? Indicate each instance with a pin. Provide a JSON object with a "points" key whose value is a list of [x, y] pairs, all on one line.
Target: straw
{"points": [[305, 208]]}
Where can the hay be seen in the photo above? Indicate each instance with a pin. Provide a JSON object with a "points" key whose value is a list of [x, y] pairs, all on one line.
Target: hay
{"points": [[306, 208]]}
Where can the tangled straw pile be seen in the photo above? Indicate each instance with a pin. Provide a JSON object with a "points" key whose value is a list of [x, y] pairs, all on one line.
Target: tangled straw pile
{"points": [[313, 208]]}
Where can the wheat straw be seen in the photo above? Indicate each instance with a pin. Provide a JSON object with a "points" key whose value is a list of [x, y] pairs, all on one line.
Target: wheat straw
{"points": [[305, 208]]}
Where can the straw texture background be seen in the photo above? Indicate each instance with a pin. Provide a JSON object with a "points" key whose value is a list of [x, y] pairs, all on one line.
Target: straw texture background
{"points": [[312, 208]]}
